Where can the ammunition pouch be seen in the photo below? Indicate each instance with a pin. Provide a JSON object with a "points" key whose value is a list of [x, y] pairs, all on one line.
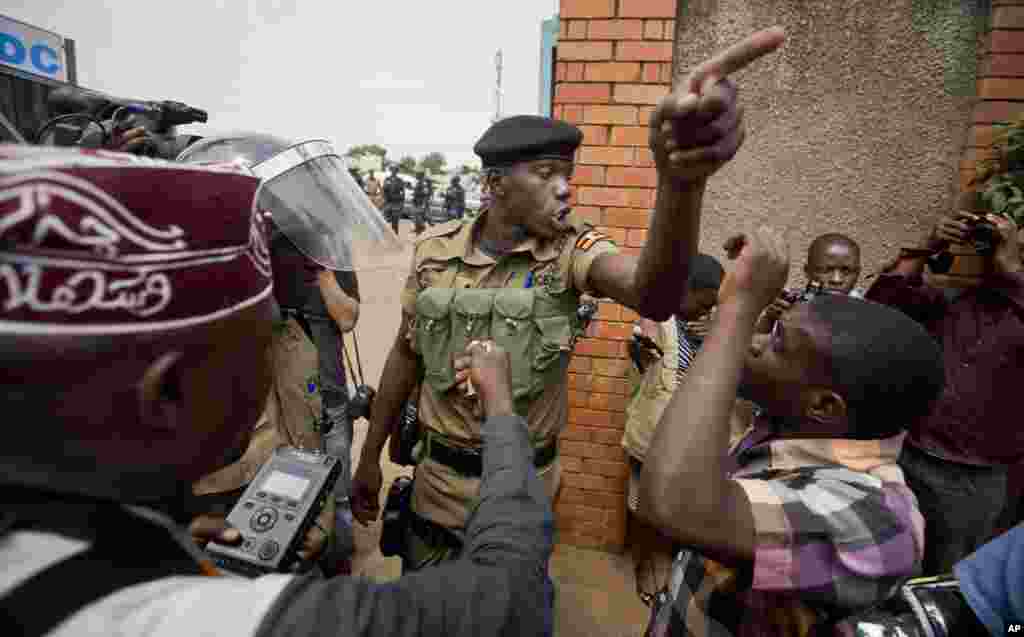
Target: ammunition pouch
{"points": [[537, 327], [395, 518]]}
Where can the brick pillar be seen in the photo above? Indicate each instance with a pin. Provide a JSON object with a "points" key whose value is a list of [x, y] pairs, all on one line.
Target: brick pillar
{"points": [[614, 62], [1000, 81]]}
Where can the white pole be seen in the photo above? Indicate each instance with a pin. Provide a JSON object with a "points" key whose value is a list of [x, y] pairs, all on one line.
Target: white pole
{"points": [[497, 88]]}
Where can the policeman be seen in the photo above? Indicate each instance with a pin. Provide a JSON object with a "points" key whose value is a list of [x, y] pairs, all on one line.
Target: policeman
{"points": [[516, 274], [374, 191], [421, 200], [394, 198], [455, 199], [316, 289]]}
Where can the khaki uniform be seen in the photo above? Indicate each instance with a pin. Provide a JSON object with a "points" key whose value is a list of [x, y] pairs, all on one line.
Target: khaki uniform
{"points": [[289, 418], [651, 392], [445, 257], [375, 193]]}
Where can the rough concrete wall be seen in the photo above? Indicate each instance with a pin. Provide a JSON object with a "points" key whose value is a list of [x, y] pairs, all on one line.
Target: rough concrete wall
{"points": [[855, 126]]}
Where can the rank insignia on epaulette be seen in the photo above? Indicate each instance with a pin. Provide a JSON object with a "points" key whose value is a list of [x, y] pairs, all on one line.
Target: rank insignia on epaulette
{"points": [[589, 238]]}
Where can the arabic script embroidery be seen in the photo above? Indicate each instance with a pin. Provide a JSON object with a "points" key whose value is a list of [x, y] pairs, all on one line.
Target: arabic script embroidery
{"points": [[143, 294]]}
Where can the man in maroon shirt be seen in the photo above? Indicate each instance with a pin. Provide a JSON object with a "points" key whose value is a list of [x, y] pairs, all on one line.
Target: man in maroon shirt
{"points": [[956, 459]]}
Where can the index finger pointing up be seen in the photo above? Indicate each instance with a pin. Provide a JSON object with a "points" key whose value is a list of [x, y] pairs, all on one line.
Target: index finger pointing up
{"points": [[735, 58]]}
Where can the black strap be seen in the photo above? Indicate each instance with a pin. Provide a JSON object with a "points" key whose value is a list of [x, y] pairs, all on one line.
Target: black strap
{"points": [[431, 532], [301, 319], [470, 463], [128, 550]]}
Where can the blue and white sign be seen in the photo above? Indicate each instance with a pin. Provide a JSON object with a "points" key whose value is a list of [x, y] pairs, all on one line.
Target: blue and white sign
{"points": [[32, 50]]}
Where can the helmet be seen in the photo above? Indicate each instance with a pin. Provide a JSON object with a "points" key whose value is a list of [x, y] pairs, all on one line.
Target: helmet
{"points": [[308, 194]]}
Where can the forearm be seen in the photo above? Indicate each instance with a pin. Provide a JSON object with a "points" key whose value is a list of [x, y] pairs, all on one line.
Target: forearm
{"points": [[904, 289], [1010, 285], [690, 442], [456, 598], [765, 323], [512, 521], [401, 371], [671, 242], [342, 308]]}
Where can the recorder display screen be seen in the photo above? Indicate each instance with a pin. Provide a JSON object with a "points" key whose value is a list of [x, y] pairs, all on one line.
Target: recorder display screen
{"points": [[285, 485]]}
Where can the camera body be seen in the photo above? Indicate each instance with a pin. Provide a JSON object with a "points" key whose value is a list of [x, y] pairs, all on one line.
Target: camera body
{"points": [[813, 289], [276, 511], [983, 237], [361, 402]]}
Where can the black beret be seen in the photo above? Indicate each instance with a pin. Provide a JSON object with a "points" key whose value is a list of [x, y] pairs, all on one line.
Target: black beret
{"points": [[525, 138]]}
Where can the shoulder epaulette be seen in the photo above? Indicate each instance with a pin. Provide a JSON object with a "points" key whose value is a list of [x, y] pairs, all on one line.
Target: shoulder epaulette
{"points": [[441, 230], [589, 238]]}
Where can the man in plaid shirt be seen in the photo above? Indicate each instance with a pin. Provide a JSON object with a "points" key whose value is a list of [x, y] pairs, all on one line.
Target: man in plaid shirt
{"points": [[808, 518]]}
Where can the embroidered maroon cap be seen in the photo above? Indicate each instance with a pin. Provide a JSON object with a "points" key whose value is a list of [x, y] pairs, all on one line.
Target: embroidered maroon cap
{"points": [[94, 242]]}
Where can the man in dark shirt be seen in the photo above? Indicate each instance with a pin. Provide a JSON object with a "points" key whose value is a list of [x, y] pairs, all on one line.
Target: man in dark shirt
{"points": [[394, 198], [421, 195], [455, 199], [956, 459], [153, 396]]}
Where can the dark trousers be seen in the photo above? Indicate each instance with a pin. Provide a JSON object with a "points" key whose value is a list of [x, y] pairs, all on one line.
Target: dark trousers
{"points": [[960, 504], [419, 216], [393, 213]]}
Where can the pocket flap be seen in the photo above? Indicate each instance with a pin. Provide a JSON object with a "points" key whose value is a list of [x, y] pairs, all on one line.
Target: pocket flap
{"points": [[555, 333], [514, 304], [473, 303], [434, 303]]}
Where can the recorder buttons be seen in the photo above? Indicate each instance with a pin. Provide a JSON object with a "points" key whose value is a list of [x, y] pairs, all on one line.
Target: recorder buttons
{"points": [[263, 519], [269, 550]]}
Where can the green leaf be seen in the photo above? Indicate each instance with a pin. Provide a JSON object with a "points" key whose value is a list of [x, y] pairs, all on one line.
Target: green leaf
{"points": [[998, 202]]}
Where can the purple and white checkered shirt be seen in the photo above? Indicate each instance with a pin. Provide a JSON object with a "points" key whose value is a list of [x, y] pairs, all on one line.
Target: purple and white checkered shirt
{"points": [[837, 530]]}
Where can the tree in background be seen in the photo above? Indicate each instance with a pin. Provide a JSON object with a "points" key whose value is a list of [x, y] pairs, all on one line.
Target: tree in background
{"points": [[367, 149], [434, 163], [407, 166], [470, 173]]}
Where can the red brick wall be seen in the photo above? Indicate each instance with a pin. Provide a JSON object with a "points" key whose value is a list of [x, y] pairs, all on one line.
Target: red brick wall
{"points": [[1000, 81], [614, 62]]}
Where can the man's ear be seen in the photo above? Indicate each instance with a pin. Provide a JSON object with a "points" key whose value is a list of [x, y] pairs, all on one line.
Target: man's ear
{"points": [[161, 400], [822, 405]]}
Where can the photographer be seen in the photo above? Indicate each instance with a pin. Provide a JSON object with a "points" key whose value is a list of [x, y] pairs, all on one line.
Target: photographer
{"points": [[956, 459], [145, 397], [833, 263]]}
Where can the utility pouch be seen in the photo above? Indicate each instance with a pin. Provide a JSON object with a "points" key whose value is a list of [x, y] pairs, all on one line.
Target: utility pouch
{"points": [[395, 518]]}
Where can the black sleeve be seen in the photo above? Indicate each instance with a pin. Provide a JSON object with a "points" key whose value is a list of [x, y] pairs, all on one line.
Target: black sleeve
{"points": [[348, 282], [499, 586]]}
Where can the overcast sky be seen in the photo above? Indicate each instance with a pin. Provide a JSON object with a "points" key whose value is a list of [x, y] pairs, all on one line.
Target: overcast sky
{"points": [[410, 75]]}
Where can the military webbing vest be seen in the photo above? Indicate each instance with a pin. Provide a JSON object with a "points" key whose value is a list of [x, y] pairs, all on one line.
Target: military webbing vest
{"points": [[535, 321]]}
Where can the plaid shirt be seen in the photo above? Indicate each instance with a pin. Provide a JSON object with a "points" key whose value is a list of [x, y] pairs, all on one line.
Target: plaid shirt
{"points": [[836, 529]]}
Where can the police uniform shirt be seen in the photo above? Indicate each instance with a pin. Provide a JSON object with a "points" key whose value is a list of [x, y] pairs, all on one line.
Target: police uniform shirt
{"points": [[440, 493]]}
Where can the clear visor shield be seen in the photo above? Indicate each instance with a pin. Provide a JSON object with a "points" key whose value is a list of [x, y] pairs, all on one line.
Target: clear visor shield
{"points": [[314, 201]]}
